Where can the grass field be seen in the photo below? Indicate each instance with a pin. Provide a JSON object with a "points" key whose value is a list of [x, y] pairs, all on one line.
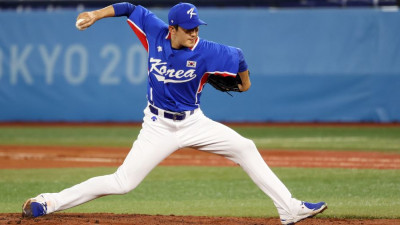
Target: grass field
{"points": [[218, 191], [338, 138]]}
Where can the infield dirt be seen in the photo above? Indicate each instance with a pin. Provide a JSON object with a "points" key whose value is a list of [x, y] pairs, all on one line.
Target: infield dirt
{"points": [[17, 157], [123, 219]]}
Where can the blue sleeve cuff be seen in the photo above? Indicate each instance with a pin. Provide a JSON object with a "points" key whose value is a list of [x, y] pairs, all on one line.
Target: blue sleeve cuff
{"points": [[242, 62], [123, 9]]}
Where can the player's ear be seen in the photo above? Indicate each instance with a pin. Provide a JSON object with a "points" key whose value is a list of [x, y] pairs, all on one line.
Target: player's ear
{"points": [[173, 29]]}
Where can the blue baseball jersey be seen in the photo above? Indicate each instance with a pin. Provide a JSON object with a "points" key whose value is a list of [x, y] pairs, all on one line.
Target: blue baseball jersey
{"points": [[176, 77]]}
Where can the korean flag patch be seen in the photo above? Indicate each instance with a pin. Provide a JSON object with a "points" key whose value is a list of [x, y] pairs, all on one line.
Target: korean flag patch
{"points": [[191, 64]]}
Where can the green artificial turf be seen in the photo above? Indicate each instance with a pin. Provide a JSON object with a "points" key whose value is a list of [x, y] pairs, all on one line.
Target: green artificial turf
{"points": [[339, 138], [217, 191]]}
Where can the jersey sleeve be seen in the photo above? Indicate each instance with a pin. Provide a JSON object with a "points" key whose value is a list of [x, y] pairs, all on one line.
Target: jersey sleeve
{"points": [[242, 62], [222, 59], [145, 24], [123, 9]]}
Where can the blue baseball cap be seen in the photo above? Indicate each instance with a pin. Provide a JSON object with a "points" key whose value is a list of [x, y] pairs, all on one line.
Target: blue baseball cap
{"points": [[185, 15]]}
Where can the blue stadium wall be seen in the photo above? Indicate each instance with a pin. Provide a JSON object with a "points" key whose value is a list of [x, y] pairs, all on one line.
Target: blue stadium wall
{"points": [[325, 65]]}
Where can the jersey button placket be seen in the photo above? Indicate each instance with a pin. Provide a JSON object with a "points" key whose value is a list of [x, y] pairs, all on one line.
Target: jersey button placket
{"points": [[170, 64]]}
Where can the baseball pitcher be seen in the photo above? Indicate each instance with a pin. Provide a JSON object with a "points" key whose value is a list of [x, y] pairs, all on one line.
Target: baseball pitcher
{"points": [[180, 63]]}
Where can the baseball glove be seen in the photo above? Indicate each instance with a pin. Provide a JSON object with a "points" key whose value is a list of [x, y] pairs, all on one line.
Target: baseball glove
{"points": [[225, 83]]}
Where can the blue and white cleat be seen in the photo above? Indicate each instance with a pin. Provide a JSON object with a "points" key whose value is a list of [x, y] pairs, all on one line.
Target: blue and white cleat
{"points": [[305, 211], [34, 207]]}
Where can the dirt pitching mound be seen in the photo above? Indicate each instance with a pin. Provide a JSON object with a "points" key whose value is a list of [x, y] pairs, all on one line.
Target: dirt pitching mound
{"points": [[133, 219]]}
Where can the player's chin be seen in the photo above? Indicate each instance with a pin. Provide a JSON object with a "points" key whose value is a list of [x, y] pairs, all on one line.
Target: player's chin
{"points": [[190, 43]]}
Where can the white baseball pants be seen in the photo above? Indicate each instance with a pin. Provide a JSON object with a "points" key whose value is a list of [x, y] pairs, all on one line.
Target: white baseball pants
{"points": [[158, 138]]}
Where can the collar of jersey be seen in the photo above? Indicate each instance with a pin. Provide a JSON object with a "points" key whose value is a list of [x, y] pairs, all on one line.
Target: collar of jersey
{"points": [[168, 37]]}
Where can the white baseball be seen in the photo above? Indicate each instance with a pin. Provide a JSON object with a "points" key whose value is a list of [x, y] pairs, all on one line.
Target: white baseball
{"points": [[77, 24]]}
